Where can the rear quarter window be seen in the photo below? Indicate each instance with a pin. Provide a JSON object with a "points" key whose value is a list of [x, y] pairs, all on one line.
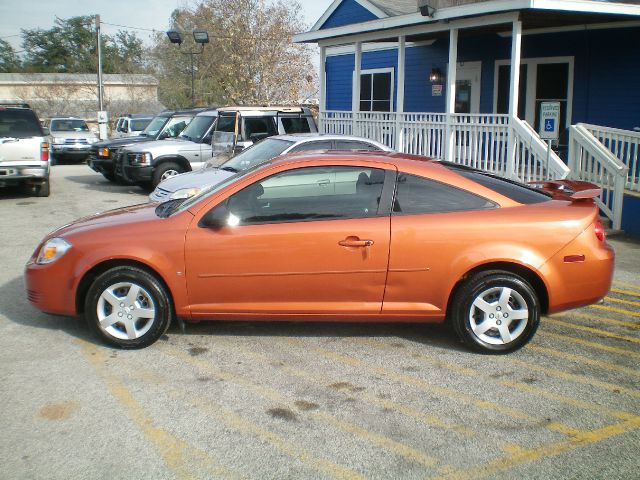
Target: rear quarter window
{"points": [[416, 195], [295, 125], [516, 191]]}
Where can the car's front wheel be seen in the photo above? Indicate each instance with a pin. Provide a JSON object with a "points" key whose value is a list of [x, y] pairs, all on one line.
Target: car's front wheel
{"points": [[495, 312], [164, 171], [128, 307]]}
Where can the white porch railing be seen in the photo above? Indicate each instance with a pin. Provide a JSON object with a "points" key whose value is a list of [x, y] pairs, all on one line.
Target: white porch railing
{"points": [[625, 145], [480, 140], [591, 161]]}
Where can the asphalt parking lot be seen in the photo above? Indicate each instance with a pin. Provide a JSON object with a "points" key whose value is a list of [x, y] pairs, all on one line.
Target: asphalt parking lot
{"points": [[297, 400]]}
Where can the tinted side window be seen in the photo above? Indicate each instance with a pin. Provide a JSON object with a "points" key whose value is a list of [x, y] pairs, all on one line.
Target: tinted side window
{"points": [[295, 125], [306, 194], [420, 195], [226, 124], [319, 145], [516, 191], [355, 145], [258, 128]]}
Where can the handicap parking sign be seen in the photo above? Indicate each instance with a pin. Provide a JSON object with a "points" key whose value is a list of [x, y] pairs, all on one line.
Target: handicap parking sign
{"points": [[549, 119], [549, 124]]}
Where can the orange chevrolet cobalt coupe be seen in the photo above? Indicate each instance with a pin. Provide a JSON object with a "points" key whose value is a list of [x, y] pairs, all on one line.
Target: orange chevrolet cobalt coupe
{"points": [[357, 237]]}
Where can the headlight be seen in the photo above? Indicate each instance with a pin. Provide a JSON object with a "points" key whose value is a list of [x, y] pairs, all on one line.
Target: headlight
{"points": [[52, 250], [143, 158], [185, 193], [103, 152]]}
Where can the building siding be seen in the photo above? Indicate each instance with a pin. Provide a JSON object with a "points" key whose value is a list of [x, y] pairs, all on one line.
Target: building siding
{"points": [[606, 88], [347, 13]]}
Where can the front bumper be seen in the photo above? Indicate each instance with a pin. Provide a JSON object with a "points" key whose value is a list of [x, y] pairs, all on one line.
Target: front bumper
{"points": [[75, 150], [17, 174], [138, 173], [57, 297], [101, 165]]}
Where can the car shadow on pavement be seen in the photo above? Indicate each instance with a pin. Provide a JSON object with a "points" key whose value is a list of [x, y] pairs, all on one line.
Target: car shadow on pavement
{"points": [[15, 306], [433, 335], [97, 182]]}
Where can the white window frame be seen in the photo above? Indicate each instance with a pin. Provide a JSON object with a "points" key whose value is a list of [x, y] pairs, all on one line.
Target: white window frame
{"points": [[373, 71], [530, 94]]}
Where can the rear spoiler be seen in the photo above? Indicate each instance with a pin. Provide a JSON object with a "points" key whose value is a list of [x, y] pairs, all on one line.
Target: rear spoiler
{"points": [[572, 190]]}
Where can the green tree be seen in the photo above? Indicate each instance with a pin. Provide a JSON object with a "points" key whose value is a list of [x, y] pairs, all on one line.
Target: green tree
{"points": [[9, 60], [70, 47], [251, 58]]}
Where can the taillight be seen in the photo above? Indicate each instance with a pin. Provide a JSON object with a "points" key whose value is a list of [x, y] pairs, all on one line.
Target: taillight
{"points": [[44, 151], [599, 230]]}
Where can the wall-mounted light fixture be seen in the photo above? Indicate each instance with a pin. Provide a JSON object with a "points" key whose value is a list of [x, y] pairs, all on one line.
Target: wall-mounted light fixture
{"points": [[435, 76]]}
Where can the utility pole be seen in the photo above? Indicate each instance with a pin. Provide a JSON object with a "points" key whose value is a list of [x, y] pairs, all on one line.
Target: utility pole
{"points": [[102, 115]]}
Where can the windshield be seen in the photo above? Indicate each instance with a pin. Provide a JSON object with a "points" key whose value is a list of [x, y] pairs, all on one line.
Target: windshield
{"points": [[197, 128], [256, 154], [69, 125], [154, 127], [175, 126], [138, 124]]}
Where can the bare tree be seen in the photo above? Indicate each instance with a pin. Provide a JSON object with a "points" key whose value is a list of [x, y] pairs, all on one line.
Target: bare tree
{"points": [[251, 58]]}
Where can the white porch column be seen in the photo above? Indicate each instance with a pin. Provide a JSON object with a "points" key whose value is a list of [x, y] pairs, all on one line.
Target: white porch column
{"points": [[449, 137], [355, 104], [400, 97], [514, 90], [323, 87]]}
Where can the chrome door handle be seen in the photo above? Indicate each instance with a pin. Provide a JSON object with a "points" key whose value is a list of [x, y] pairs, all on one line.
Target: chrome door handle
{"points": [[355, 242]]}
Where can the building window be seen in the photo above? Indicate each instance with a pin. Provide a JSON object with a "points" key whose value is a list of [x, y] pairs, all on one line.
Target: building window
{"points": [[376, 90]]}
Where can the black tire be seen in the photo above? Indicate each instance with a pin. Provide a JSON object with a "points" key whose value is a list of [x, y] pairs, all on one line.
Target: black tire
{"points": [[164, 171], [111, 295], [43, 189], [495, 312]]}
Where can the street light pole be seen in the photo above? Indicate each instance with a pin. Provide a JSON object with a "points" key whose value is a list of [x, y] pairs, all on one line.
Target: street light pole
{"points": [[199, 36]]}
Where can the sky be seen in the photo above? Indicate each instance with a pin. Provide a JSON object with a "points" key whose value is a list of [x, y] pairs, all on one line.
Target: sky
{"points": [[148, 14]]}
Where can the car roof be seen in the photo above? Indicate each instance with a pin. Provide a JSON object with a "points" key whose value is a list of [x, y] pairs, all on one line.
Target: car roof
{"points": [[310, 136], [263, 109]]}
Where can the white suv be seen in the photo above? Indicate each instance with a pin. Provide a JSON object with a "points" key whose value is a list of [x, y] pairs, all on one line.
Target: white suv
{"points": [[131, 125], [24, 151]]}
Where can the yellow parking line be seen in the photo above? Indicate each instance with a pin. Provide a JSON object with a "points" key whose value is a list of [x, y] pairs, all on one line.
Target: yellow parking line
{"points": [[614, 309], [431, 388], [626, 292], [612, 367], [587, 343], [625, 284], [595, 331], [470, 372], [273, 395], [422, 417], [598, 318], [172, 449], [619, 300], [542, 452]]}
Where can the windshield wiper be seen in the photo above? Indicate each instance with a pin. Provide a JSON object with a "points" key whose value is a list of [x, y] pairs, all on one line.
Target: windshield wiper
{"points": [[165, 209], [229, 169]]}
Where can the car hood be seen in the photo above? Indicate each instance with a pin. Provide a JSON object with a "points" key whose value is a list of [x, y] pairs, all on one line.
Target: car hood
{"points": [[121, 216], [151, 144], [198, 178], [120, 142]]}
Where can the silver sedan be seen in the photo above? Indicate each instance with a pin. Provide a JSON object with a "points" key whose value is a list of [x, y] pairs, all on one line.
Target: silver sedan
{"points": [[190, 183]]}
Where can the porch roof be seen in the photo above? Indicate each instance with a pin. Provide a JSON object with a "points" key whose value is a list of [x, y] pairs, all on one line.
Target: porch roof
{"points": [[534, 14]]}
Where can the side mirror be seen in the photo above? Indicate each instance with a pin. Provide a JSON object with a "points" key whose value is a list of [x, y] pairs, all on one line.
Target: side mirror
{"points": [[216, 218], [46, 131]]}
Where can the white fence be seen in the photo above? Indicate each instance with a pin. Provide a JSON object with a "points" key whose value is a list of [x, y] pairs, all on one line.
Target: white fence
{"points": [[592, 161], [624, 145], [479, 140]]}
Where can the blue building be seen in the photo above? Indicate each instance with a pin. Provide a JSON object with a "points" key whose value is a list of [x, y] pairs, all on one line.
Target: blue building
{"points": [[434, 78]]}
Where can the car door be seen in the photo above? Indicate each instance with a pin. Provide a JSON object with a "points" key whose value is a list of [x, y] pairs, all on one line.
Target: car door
{"points": [[287, 250]]}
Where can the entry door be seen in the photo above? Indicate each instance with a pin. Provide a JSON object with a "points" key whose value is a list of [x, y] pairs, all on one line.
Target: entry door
{"points": [[286, 247], [468, 87]]}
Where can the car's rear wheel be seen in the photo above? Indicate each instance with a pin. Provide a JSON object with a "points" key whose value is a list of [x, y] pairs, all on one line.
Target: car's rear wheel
{"points": [[164, 171], [43, 189], [495, 312], [128, 307]]}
